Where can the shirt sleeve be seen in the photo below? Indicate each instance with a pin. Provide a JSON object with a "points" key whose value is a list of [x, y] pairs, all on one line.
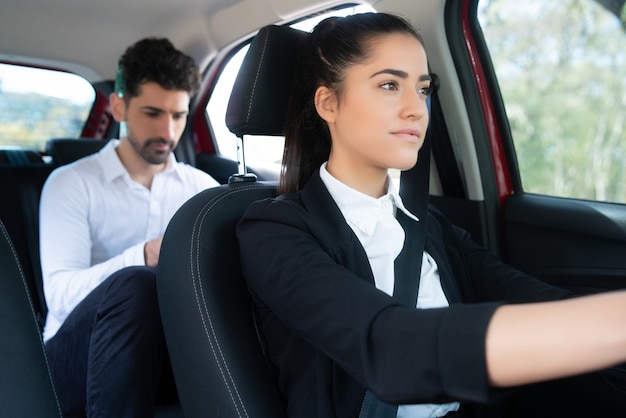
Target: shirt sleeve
{"points": [[208, 181], [195, 178], [65, 244]]}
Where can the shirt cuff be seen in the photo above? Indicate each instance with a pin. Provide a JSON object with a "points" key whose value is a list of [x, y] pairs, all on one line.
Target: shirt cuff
{"points": [[134, 256]]}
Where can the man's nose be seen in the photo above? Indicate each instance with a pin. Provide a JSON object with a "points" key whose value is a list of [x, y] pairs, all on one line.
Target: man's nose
{"points": [[167, 128]]}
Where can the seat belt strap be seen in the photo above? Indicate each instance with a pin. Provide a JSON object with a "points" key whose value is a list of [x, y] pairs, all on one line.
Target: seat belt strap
{"points": [[375, 408], [408, 264]]}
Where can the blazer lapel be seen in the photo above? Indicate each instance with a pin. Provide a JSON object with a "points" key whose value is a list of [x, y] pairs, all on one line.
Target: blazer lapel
{"points": [[332, 230]]}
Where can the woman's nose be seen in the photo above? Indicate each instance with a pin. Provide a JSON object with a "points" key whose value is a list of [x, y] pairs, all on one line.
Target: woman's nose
{"points": [[415, 105]]}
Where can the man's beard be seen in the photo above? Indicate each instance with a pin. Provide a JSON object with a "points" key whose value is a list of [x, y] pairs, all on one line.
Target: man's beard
{"points": [[150, 155]]}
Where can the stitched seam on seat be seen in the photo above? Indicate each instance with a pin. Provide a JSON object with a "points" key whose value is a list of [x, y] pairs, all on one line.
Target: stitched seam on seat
{"points": [[32, 309], [209, 330], [256, 79], [201, 303]]}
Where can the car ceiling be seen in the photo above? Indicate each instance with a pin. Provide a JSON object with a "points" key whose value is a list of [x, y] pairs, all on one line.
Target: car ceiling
{"points": [[93, 34], [87, 37]]}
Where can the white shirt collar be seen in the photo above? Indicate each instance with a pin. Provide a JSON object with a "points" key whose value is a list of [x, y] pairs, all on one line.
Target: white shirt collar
{"points": [[362, 210]]}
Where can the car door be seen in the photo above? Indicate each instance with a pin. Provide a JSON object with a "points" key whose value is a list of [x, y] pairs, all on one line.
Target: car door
{"points": [[561, 119], [545, 82]]}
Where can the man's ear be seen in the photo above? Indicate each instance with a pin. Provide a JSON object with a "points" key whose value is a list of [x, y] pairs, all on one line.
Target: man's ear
{"points": [[326, 104], [118, 107]]}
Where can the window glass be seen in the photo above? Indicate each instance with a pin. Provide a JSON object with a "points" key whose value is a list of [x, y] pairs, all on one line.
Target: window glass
{"points": [[261, 152], [38, 104], [560, 66]]}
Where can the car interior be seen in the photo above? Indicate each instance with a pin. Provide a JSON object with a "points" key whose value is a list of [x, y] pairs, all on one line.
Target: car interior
{"points": [[472, 175]]}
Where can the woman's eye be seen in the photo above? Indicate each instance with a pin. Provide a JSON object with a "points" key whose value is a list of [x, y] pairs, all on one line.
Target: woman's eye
{"points": [[426, 90], [389, 85]]}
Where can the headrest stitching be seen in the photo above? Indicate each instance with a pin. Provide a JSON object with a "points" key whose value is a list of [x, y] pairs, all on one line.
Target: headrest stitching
{"points": [[256, 78]]}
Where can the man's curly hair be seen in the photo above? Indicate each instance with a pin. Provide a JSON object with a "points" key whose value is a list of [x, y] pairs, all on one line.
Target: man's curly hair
{"points": [[155, 60]]}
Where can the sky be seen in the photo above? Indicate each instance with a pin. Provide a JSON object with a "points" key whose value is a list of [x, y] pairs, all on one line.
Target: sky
{"points": [[52, 83]]}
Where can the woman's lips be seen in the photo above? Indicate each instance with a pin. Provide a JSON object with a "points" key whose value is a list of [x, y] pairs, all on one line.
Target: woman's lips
{"points": [[408, 134]]}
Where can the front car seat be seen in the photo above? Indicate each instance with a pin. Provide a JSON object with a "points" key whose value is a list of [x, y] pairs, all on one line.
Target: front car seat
{"points": [[216, 355]]}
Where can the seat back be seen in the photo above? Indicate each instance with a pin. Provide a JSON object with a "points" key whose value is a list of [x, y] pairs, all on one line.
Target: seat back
{"points": [[218, 362], [22, 176], [66, 150], [26, 388]]}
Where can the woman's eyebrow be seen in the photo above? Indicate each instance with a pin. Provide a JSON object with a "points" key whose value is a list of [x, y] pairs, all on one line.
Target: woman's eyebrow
{"points": [[397, 73], [400, 74]]}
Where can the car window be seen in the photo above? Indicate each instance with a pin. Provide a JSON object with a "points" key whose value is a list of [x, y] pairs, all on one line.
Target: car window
{"points": [[261, 151], [560, 66], [38, 104]]}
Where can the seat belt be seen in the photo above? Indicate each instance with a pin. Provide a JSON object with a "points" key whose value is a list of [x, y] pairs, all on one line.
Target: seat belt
{"points": [[407, 271], [414, 191]]}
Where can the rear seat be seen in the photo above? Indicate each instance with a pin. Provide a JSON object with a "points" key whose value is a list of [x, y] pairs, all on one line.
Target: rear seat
{"points": [[66, 150], [22, 176]]}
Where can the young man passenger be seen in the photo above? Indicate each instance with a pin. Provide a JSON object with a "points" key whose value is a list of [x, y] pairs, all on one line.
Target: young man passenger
{"points": [[102, 219]]}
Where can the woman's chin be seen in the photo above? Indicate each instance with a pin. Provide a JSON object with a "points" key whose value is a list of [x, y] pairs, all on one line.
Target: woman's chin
{"points": [[405, 164]]}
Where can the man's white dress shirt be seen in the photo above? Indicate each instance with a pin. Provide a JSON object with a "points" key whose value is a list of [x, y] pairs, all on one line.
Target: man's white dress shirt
{"points": [[95, 220], [375, 225]]}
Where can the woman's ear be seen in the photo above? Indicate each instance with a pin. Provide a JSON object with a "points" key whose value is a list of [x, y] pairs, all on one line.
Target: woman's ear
{"points": [[326, 104], [118, 107]]}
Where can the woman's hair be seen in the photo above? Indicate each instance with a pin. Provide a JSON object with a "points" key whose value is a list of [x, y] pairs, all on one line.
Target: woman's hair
{"points": [[336, 44], [155, 60]]}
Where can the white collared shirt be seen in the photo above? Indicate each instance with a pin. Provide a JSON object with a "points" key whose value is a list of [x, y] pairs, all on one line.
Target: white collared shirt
{"points": [[95, 220], [379, 232]]}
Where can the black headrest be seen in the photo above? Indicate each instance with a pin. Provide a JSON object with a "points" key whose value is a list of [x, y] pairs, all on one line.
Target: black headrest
{"points": [[19, 157], [260, 97]]}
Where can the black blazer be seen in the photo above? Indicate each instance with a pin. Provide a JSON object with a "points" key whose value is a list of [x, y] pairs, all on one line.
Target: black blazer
{"points": [[331, 333]]}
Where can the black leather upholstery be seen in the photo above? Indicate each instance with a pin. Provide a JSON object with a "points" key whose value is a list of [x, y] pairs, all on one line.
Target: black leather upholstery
{"points": [[20, 188], [218, 364], [26, 388], [217, 359], [66, 150], [22, 176], [260, 96]]}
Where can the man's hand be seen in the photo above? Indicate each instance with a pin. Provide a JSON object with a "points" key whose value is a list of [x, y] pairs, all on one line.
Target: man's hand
{"points": [[151, 251]]}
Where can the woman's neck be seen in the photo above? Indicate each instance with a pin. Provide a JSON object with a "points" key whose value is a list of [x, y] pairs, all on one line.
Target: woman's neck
{"points": [[371, 181]]}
